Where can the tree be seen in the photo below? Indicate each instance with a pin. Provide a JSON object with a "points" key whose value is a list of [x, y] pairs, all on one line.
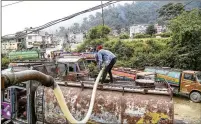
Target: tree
{"points": [[99, 32], [151, 30], [170, 11], [75, 28], [186, 39], [124, 36]]}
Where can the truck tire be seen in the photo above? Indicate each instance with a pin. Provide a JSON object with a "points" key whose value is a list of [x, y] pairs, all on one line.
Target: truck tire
{"points": [[195, 96], [8, 122], [3, 120]]}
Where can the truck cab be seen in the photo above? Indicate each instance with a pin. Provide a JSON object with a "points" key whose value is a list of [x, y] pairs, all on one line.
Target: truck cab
{"points": [[191, 85], [14, 104], [74, 70]]}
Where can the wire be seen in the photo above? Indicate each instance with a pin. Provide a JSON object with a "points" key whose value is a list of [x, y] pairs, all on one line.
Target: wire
{"points": [[188, 3], [11, 4], [62, 19]]}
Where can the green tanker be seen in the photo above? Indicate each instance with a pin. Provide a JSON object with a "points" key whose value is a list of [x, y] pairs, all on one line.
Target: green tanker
{"points": [[24, 55]]}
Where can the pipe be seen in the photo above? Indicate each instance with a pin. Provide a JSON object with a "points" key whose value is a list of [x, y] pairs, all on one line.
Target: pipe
{"points": [[12, 78], [64, 108], [18, 77]]}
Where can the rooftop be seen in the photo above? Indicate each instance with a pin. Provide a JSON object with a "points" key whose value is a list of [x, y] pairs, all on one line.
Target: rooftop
{"points": [[190, 71], [145, 73], [69, 59]]}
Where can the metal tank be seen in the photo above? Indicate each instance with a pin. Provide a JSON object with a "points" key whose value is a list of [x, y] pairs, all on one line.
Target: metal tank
{"points": [[24, 55], [122, 102], [113, 104]]}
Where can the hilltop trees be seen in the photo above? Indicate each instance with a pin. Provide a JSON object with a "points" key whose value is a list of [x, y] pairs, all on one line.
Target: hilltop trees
{"points": [[170, 10]]}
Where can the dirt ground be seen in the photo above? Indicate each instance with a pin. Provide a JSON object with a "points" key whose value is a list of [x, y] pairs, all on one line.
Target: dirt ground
{"points": [[186, 111]]}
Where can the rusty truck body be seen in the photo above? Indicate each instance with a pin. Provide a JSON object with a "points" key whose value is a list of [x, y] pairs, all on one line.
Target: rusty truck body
{"points": [[114, 103], [132, 74], [184, 82], [129, 102]]}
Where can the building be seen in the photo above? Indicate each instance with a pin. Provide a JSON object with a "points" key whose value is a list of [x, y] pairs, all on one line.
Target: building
{"points": [[114, 33], [141, 28], [159, 29], [9, 44], [39, 40], [76, 38]]}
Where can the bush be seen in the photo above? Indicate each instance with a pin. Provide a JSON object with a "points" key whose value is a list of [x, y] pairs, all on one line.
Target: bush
{"points": [[166, 34], [93, 70], [142, 36], [124, 36], [5, 62]]}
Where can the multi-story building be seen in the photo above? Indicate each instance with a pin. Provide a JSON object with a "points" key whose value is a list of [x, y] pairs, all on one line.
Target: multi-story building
{"points": [[138, 29], [38, 40], [159, 29], [9, 44]]}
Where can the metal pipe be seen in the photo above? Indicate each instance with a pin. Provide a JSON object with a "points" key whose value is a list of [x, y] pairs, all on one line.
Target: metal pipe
{"points": [[12, 78]]}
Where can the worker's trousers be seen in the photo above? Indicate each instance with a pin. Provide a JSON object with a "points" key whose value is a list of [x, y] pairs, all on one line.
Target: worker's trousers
{"points": [[108, 69]]}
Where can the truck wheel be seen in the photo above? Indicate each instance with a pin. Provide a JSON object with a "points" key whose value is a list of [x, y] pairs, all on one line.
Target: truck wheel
{"points": [[195, 96], [3, 120], [8, 122]]}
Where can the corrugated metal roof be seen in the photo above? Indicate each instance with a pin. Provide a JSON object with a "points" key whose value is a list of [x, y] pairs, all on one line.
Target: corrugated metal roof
{"points": [[145, 73], [69, 59], [189, 71]]}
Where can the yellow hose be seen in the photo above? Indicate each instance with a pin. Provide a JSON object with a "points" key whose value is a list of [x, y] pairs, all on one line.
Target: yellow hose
{"points": [[64, 108]]}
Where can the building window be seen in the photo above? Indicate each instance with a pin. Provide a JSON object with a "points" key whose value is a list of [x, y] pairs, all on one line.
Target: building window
{"points": [[29, 43], [29, 37]]}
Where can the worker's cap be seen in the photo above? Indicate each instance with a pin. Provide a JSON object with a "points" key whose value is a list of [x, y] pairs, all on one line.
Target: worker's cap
{"points": [[99, 47]]}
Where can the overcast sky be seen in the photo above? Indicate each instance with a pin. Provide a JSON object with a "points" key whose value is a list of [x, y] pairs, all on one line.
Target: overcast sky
{"points": [[35, 13]]}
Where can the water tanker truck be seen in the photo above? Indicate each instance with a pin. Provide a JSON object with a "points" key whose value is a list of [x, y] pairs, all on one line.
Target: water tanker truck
{"points": [[24, 55], [32, 97], [183, 82]]}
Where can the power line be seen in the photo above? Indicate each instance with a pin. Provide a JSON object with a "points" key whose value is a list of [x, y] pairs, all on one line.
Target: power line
{"points": [[188, 3], [11, 4], [63, 19]]}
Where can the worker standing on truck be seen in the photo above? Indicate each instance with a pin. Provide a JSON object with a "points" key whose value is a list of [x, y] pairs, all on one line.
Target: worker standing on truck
{"points": [[108, 58]]}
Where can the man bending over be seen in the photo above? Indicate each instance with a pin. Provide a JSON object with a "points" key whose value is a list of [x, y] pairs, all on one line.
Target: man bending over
{"points": [[107, 57]]}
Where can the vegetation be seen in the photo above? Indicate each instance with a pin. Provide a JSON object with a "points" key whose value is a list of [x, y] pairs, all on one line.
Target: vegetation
{"points": [[186, 40], [93, 70], [124, 36], [123, 16], [166, 34], [4, 62], [151, 30], [181, 50], [170, 10], [142, 36]]}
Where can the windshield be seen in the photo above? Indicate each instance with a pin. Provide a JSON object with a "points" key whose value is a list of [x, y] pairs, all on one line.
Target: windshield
{"points": [[82, 65], [199, 76]]}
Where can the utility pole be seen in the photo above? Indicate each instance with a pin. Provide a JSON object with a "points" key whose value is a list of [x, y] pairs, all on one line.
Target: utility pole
{"points": [[102, 12]]}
